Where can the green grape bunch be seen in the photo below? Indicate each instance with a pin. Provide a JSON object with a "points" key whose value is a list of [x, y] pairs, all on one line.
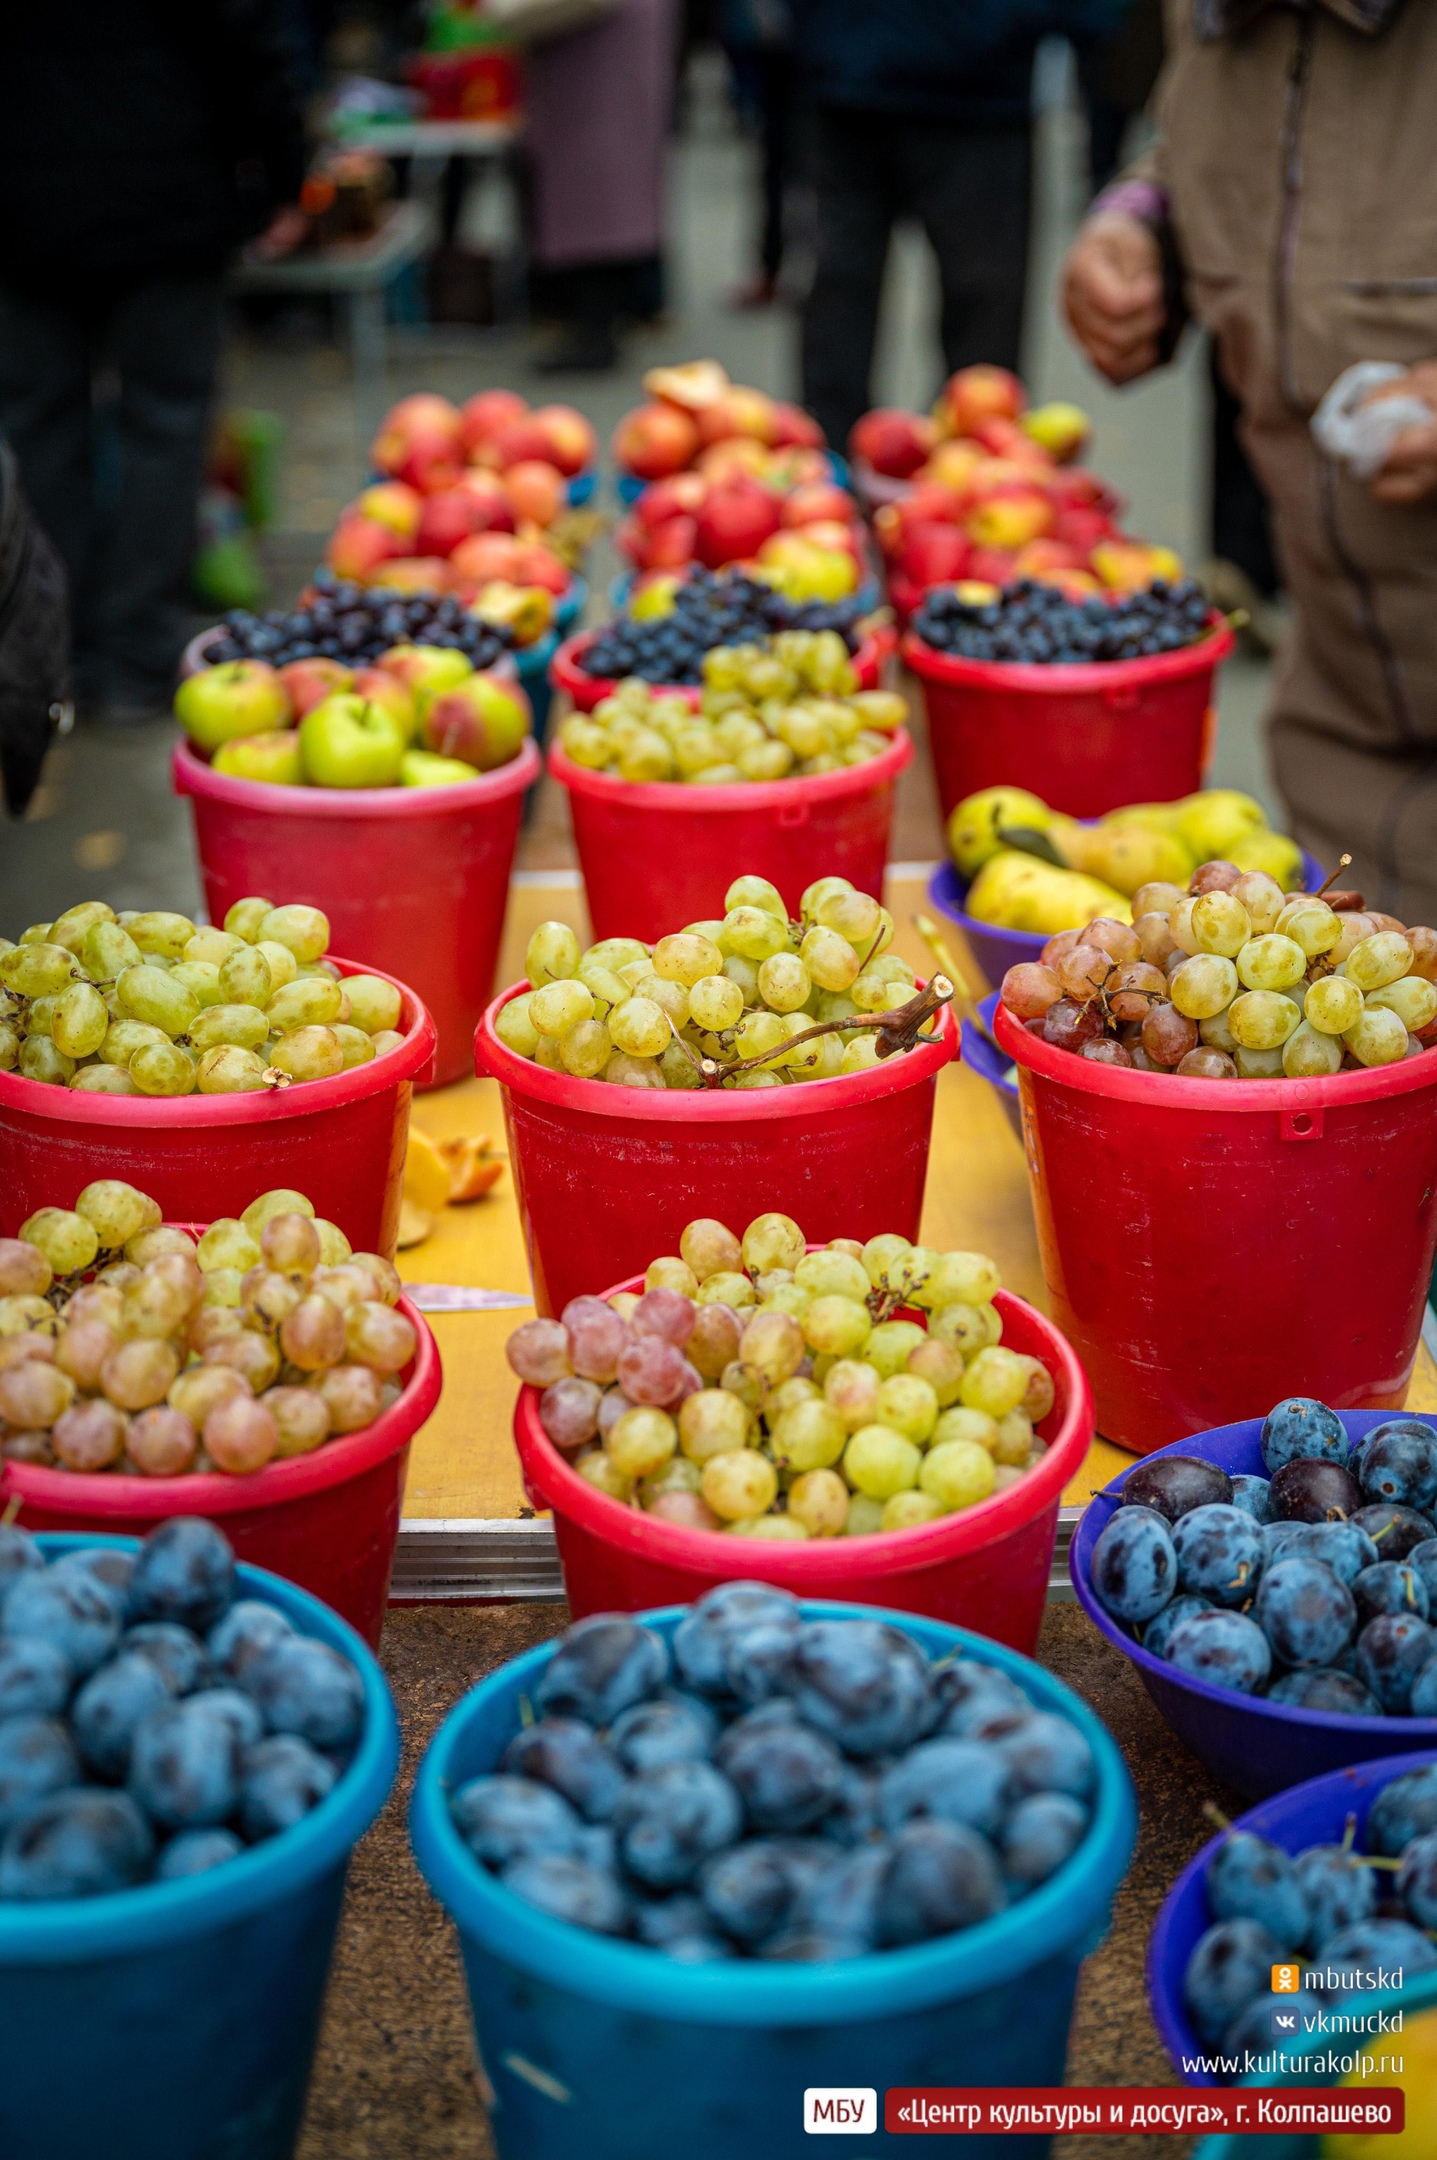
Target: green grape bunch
{"points": [[748, 1000], [147, 1002]]}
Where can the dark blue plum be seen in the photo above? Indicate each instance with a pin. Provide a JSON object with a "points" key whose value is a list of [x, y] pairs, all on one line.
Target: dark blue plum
{"points": [[662, 1920], [1399, 1463], [185, 1765], [37, 1756], [864, 1684], [1423, 1700], [109, 1707], [1339, 1693], [185, 1572], [675, 1728], [1345, 1547], [971, 1695], [281, 1780], [1378, 1945], [758, 1664], [1253, 1495], [1224, 1648], [948, 1780], [1280, 1540], [670, 1821], [1417, 1880], [240, 1712], [843, 1901], [1404, 1809], [1265, 2028], [1306, 1612], [942, 1876], [248, 1629], [786, 1775], [569, 1890], [304, 1687], [1173, 1485], [78, 1843], [1394, 1530], [76, 1613], [502, 1819], [598, 1847], [1040, 1835], [1135, 1568], [602, 1666], [1340, 1890], [1249, 1878], [857, 1812], [1423, 1558], [697, 1949], [178, 1652], [195, 1852], [569, 1755], [1391, 1652], [1046, 1753], [102, 1563], [19, 1555], [1300, 1429], [702, 1637], [1158, 1632], [1315, 1492], [1230, 1965], [748, 1891], [34, 1676], [1392, 1586]]}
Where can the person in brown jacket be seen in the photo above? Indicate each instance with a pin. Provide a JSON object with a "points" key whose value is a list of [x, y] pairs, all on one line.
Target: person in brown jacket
{"points": [[1291, 203]]}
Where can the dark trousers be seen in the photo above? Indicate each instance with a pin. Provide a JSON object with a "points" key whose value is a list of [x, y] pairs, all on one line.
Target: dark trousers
{"points": [[1241, 514], [969, 188], [119, 501]]}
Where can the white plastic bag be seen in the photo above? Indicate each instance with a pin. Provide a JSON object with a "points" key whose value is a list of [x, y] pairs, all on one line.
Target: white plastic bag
{"points": [[1358, 435]]}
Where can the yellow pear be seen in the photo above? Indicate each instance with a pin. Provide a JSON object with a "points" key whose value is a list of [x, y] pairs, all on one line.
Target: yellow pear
{"points": [[1273, 852], [1013, 891], [1127, 856], [1213, 821], [974, 826], [1155, 816]]}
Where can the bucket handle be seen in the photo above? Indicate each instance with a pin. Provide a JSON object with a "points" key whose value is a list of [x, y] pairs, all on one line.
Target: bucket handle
{"points": [[1300, 1124]]}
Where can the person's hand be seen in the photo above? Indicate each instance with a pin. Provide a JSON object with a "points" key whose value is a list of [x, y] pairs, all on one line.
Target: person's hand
{"points": [[1113, 294], [283, 234], [1410, 472]]}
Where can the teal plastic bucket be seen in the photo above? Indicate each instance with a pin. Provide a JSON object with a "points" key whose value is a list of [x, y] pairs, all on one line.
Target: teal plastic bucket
{"points": [[604, 2050], [178, 2021], [533, 665]]}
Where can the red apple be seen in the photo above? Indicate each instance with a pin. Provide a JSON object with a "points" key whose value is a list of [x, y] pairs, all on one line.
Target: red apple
{"points": [[484, 415], [569, 441], [953, 464], [978, 393], [672, 544], [893, 442], [824, 499], [737, 457], [734, 522], [991, 566], [1010, 516], [535, 564], [1082, 488], [481, 720], [485, 558], [655, 440], [1042, 558], [740, 411], [830, 533], [358, 545], [934, 554], [446, 519], [679, 496], [309, 682], [794, 429], [419, 442], [535, 491], [492, 512], [1082, 528], [415, 574]]}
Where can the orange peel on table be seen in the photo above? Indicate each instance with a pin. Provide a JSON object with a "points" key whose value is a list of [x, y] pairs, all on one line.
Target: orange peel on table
{"points": [[440, 1174]]}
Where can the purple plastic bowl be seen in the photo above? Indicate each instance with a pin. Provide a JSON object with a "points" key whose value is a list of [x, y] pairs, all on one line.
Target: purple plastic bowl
{"points": [[1257, 1747], [983, 1057], [1312, 1814], [997, 950]]}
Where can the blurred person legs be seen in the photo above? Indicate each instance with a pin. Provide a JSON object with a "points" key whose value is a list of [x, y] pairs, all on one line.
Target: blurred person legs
{"points": [[1115, 80], [129, 557], [970, 189], [765, 70], [599, 104]]}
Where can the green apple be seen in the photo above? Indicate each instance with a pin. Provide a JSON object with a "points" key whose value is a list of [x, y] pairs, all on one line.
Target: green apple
{"points": [[483, 720], [349, 742], [421, 768], [424, 670], [240, 697], [274, 756]]}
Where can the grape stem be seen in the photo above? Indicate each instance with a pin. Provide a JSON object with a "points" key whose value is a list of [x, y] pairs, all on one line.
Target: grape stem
{"points": [[1332, 876], [897, 1030]]}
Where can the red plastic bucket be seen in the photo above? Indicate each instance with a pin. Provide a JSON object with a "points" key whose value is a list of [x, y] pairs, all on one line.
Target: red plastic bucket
{"points": [[340, 1142], [657, 854], [585, 691], [414, 880], [985, 1568], [1211, 1246], [327, 1521], [1086, 738], [606, 1177]]}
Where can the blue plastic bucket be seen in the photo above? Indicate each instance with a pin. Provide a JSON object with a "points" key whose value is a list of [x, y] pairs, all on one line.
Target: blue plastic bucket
{"points": [[570, 604], [178, 2021], [1257, 1747], [1312, 1814], [603, 2050], [580, 489], [982, 1056]]}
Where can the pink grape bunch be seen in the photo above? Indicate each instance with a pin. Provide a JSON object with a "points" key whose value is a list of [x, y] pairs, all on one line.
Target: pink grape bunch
{"points": [[128, 1345], [1234, 979], [757, 1388]]}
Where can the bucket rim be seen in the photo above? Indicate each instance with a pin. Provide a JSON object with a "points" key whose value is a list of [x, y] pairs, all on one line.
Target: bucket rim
{"points": [[190, 774], [873, 648], [1033, 678], [1289, 1099], [678, 1106], [411, 1060], [740, 795], [214, 1493], [881, 1553], [128, 1923], [1066, 1916]]}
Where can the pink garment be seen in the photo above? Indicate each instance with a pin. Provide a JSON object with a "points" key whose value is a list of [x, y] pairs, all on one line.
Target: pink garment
{"points": [[598, 105]]}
